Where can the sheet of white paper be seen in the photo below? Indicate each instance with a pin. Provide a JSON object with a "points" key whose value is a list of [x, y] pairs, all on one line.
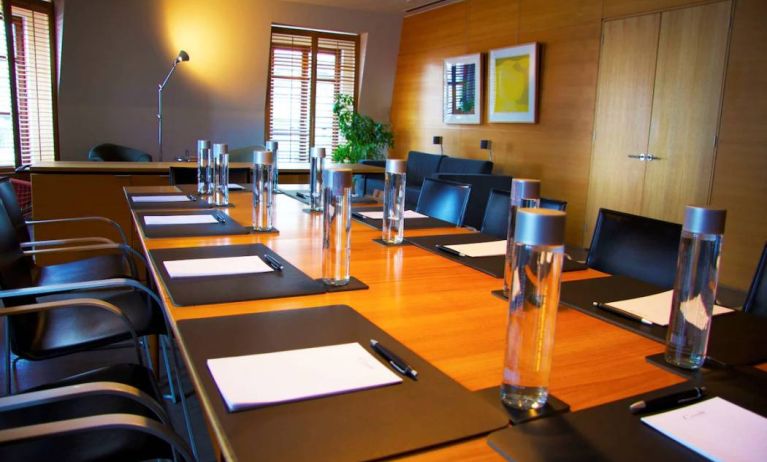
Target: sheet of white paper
{"points": [[260, 379], [179, 219], [656, 308], [235, 186], [216, 266], [378, 215], [715, 428], [160, 199], [480, 249]]}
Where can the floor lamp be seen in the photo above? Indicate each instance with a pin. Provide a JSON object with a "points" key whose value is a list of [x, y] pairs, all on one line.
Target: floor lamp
{"points": [[182, 56]]}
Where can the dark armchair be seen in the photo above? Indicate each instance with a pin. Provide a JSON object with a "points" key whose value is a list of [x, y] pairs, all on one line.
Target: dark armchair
{"points": [[109, 152]]}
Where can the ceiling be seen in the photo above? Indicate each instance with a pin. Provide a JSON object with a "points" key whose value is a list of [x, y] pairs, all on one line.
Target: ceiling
{"points": [[404, 7]]}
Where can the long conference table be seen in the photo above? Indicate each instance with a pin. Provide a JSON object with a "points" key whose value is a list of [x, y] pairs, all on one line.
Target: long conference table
{"points": [[440, 309]]}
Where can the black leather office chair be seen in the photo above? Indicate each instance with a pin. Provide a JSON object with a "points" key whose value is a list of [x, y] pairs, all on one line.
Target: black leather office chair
{"points": [[553, 204], [496, 219], [108, 152], [443, 200], [638, 247], [188, 175], [756, 300]]}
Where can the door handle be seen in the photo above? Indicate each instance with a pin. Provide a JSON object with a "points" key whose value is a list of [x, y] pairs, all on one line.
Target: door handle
{"points": [[641, 156], [651, 157]]}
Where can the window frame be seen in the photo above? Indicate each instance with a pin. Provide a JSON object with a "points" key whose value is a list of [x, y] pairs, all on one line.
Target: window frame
{"points": [[314, 50]]}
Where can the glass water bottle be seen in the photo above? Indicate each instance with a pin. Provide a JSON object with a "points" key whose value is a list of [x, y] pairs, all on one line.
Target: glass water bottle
{"points": [[203, 167], [697, 276], [272, 146], [221, 174], [263, 188], [394, 201], [525, 193], [536, 270], [317, 165], [336, 227]]}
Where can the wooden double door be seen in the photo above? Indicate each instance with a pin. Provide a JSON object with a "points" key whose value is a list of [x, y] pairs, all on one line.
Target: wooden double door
{"points": [[659, 98]]}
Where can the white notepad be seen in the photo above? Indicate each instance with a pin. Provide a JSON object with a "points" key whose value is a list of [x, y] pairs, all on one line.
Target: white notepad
{"points": [[656, 308], [378, 215], [179, 219], [160, 199], [717, 429], [235, 186], [269, 378], [480, 249], [215, 266]]}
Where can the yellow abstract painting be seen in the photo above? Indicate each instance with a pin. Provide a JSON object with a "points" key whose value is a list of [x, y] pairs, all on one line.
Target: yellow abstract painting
{"points": [[512, 88]]}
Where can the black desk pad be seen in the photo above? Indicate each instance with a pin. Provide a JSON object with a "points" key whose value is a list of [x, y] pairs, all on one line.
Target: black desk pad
{"points": [[207, 229], [232, 288], [363, 425], [489, 265], [303, 196], [611, 433], [410, 223], [736, 338], [192, 188], [192, 204]]}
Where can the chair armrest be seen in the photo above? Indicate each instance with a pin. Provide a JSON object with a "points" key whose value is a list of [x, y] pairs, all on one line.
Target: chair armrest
{"points": [[127, 422], [91, 302], [114, 283], [53, 395], [127, 250], [77, 219], [65, 242]]}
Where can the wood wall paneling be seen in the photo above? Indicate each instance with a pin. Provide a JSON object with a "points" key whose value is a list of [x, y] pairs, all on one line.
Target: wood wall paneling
{"points": [[613, 8], [624, 99], [740, 175], [686, 104]]}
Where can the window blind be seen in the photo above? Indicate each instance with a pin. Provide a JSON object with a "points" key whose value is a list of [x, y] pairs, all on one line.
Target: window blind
{"points": [[307, 70], [7, 153], [34, 82]]}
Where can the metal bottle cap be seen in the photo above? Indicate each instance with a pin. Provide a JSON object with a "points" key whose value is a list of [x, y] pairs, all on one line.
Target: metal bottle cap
{"points": [[540, 227], [526, 188], [203, 144], [337, 179], [220, 148], [263, 157], [272, 145], [704, 220], [396, 166], [318, 152]]}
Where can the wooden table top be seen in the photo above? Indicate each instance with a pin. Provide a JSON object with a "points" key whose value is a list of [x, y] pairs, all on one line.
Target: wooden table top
{"points": [[162, 167], [440, 309]]}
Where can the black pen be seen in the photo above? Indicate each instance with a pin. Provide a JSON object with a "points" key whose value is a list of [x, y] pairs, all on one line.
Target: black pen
{"points": [[219, 218], [271, 261], [620, 312], [302, 195], [394, 360], [449, 250], [191, 197], [669, 401]]}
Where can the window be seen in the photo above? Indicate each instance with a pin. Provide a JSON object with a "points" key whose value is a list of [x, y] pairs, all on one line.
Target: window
{"points": [[307, 70], [30, 136]]}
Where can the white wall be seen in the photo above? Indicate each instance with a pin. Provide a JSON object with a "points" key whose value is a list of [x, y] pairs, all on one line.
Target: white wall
{"points": [[115, 52]]}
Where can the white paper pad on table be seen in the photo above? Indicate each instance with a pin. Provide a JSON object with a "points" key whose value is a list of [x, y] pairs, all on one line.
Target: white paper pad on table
{"points": [[269, 378], [160, 199], [715, 428], [235, 186], [216, 266], [656, 308], [378, 215], [179, 219], [480, 249]]}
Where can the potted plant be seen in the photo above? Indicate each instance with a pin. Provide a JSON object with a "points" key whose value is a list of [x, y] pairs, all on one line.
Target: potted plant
{"points": [[364, 138]]}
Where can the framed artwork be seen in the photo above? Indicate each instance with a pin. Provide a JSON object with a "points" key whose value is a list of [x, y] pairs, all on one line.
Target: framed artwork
{"points": [[462, 90], [513, 84]]}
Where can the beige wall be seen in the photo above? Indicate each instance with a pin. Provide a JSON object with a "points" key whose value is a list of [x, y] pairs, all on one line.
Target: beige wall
{"points": [[558, 148], [115, 52]]}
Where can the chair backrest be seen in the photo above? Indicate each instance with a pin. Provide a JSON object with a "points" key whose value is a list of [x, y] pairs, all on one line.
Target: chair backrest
{"points": [[756, 301], [13, 209], [496, 219], [109, 152], [481, 185], [553, 204], [444, 200], [638, 247], [188, 175]]}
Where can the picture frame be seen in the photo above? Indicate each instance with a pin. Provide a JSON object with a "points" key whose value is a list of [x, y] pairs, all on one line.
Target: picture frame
{"points": [[513, 84], [462, 89]]}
